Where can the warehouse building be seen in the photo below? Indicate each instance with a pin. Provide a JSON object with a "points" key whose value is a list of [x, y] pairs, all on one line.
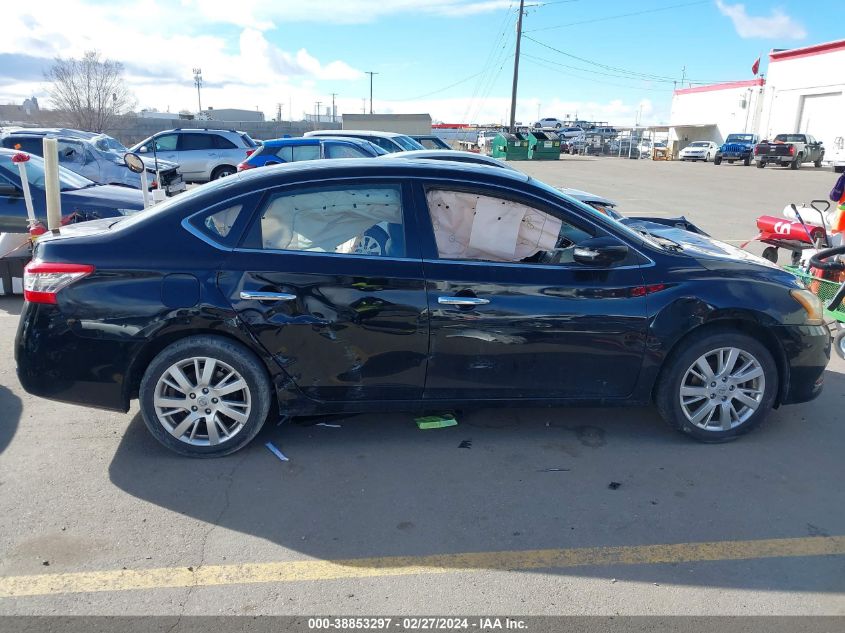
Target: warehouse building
{"points": [[804, 92]]}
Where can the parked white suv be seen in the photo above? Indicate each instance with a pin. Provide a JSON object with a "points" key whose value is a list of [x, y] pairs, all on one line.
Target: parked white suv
{"points": [[202, 154]]}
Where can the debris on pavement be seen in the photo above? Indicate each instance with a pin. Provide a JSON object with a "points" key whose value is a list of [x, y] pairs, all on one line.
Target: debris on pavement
{"points": [[465, 444], [326, 424], [276, 451], [436, 421], [553, 470], [613, 485]]}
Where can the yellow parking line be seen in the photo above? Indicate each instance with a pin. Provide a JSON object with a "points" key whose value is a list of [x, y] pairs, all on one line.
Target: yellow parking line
{"points": [[295, 571]]}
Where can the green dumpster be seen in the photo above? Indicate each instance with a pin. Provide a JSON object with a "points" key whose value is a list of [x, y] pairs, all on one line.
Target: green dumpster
{"points": [[543, 145], [510, 146]]}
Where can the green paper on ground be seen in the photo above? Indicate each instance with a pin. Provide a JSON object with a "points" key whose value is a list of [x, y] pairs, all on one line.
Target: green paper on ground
{"points": [[436, 421]]}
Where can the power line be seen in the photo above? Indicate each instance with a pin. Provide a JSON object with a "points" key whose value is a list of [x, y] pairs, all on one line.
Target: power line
{"points": [[620, 15], [499, 43], [536, 61], [598, 72], [439, 90]]}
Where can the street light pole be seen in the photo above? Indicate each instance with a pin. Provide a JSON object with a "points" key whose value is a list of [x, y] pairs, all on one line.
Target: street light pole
{"points": [[198, 82], [334, 94], [371, 73], [516, 65]]}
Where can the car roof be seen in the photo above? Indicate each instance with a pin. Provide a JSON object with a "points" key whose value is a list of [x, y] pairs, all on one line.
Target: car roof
{"points": [[454, 156], [199, 129], [354, 133], [315, 140]]}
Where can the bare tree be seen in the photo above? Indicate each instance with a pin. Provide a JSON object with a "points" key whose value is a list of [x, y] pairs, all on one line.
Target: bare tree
{"points": [[91, 90]]}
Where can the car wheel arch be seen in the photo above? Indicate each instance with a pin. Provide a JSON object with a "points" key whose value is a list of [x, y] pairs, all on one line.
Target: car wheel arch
{"points": [[734, 322], [163, 340]]}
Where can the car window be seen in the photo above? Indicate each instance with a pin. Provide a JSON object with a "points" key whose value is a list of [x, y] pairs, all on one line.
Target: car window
{"points": [[342, 150], [285, 153], [248, 141], [789, 138], [384, 143], [166, 142], [221, 142], [306, 152], [407, 143], [70, 154], [473, 226], [68, 180], [192, 142], [336, 219], [28, 145], [220, 224]]}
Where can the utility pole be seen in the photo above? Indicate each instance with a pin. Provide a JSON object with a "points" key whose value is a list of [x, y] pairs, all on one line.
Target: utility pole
{"points": [[198, 82], [334, 94], [371, 73], [683, 75], [319, 103], [363, 105], [516, 65]]}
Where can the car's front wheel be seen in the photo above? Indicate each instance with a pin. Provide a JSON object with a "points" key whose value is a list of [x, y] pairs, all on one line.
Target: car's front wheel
{"points": [[205, 396], [721, 384], [717, 160]]}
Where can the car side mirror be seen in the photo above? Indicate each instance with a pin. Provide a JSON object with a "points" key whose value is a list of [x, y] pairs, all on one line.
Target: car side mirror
{"points": [[143, 149], [600, 251]]}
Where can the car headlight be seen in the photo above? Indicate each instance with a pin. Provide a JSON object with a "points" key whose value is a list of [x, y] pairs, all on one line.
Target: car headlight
{"points": [[812, 304]]}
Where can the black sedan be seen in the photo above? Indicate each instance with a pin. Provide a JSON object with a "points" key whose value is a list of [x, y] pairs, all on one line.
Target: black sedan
{"points": [[249, 298]]}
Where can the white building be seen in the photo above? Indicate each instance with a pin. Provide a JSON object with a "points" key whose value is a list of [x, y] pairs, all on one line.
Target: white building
{"points": [[804, 92], [710, 113]]}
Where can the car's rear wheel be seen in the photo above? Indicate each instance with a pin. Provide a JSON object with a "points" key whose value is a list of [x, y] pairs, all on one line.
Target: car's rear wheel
{"points": [[817, 164], [223, 171], [205, 396], [796, 164], [721, 384], [839, 343], [761, 164], [746, 161], [717, 160]]}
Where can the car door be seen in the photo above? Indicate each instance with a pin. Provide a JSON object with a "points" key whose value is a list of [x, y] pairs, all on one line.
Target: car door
{"points": [[166, 146], [13, 217], [512, 318], [345, 326], [197, 155]]}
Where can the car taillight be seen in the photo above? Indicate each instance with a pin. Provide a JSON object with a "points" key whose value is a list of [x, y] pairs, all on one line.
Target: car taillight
{"points": [[249, 152], [43, 280], [792, 150], [244, 165], [756, 150]]}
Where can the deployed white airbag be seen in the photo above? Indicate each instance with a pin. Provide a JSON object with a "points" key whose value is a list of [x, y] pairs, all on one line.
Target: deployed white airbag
{"points": [[470, 226]]}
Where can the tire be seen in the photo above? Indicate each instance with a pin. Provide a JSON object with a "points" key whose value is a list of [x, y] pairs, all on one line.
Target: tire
{"points": [[795, 164], [771, 253], [223, 171], [249, 404], [839, 343], [685, 368], [557, 126], [746, 161], [373, 242], [717, 160], [761, 164], [706, 157], [818, 163]]}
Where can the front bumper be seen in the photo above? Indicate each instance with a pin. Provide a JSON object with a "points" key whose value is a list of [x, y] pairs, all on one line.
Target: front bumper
{"points": [[806, 354]]}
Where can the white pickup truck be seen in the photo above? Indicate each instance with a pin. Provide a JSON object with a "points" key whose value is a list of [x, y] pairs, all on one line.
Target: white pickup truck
{"points": [[836, 155]]}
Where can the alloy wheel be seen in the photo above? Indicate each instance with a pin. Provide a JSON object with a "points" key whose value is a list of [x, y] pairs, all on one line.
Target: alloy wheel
{"points": [[722, 389], [202, 401], [368, 246]]}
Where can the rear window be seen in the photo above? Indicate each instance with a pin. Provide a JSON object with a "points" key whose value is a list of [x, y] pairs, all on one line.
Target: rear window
{"points": [[28, 145], [790, 138], [221, 142], [406, 142]]}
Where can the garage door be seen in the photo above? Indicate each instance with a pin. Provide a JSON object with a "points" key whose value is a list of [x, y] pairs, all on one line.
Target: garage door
{"points": [[821, 116]]}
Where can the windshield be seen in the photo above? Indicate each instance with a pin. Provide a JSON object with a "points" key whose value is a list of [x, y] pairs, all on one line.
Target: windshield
{"points": [[740, 138], [700, 144], [106, 143], [406, 142], [68, 180]]}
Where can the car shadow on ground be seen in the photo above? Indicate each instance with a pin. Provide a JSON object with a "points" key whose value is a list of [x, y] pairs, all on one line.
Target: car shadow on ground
{"points": [[11, 407], [516, 479], [10, 306]]}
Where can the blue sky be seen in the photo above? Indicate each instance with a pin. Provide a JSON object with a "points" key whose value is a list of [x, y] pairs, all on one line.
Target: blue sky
{"points": [[451, 58]]}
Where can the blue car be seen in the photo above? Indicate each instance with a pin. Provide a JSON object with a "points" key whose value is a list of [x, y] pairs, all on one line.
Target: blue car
{"points": [[80, 196], [291, 150]]}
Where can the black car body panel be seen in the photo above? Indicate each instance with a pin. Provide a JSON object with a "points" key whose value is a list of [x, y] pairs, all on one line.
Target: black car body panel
{"points": [[370, 333]]}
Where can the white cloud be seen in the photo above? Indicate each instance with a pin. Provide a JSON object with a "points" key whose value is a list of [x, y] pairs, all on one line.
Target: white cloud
{"points": [[777, 25]]}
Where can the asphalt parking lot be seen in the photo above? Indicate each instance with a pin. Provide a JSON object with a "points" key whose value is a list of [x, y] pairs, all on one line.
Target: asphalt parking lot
{"points": [[511, 512]]}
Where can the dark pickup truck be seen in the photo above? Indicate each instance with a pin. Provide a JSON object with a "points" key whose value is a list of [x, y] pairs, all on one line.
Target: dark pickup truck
{"points": [[791, 150]]}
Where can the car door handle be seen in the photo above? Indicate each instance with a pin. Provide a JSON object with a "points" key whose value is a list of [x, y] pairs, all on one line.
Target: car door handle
{"points": [[267, 296], [462, 301]]}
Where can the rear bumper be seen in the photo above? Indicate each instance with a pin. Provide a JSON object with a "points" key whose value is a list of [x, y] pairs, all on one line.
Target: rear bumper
{"points": [[55, 363], [807, 353]]}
